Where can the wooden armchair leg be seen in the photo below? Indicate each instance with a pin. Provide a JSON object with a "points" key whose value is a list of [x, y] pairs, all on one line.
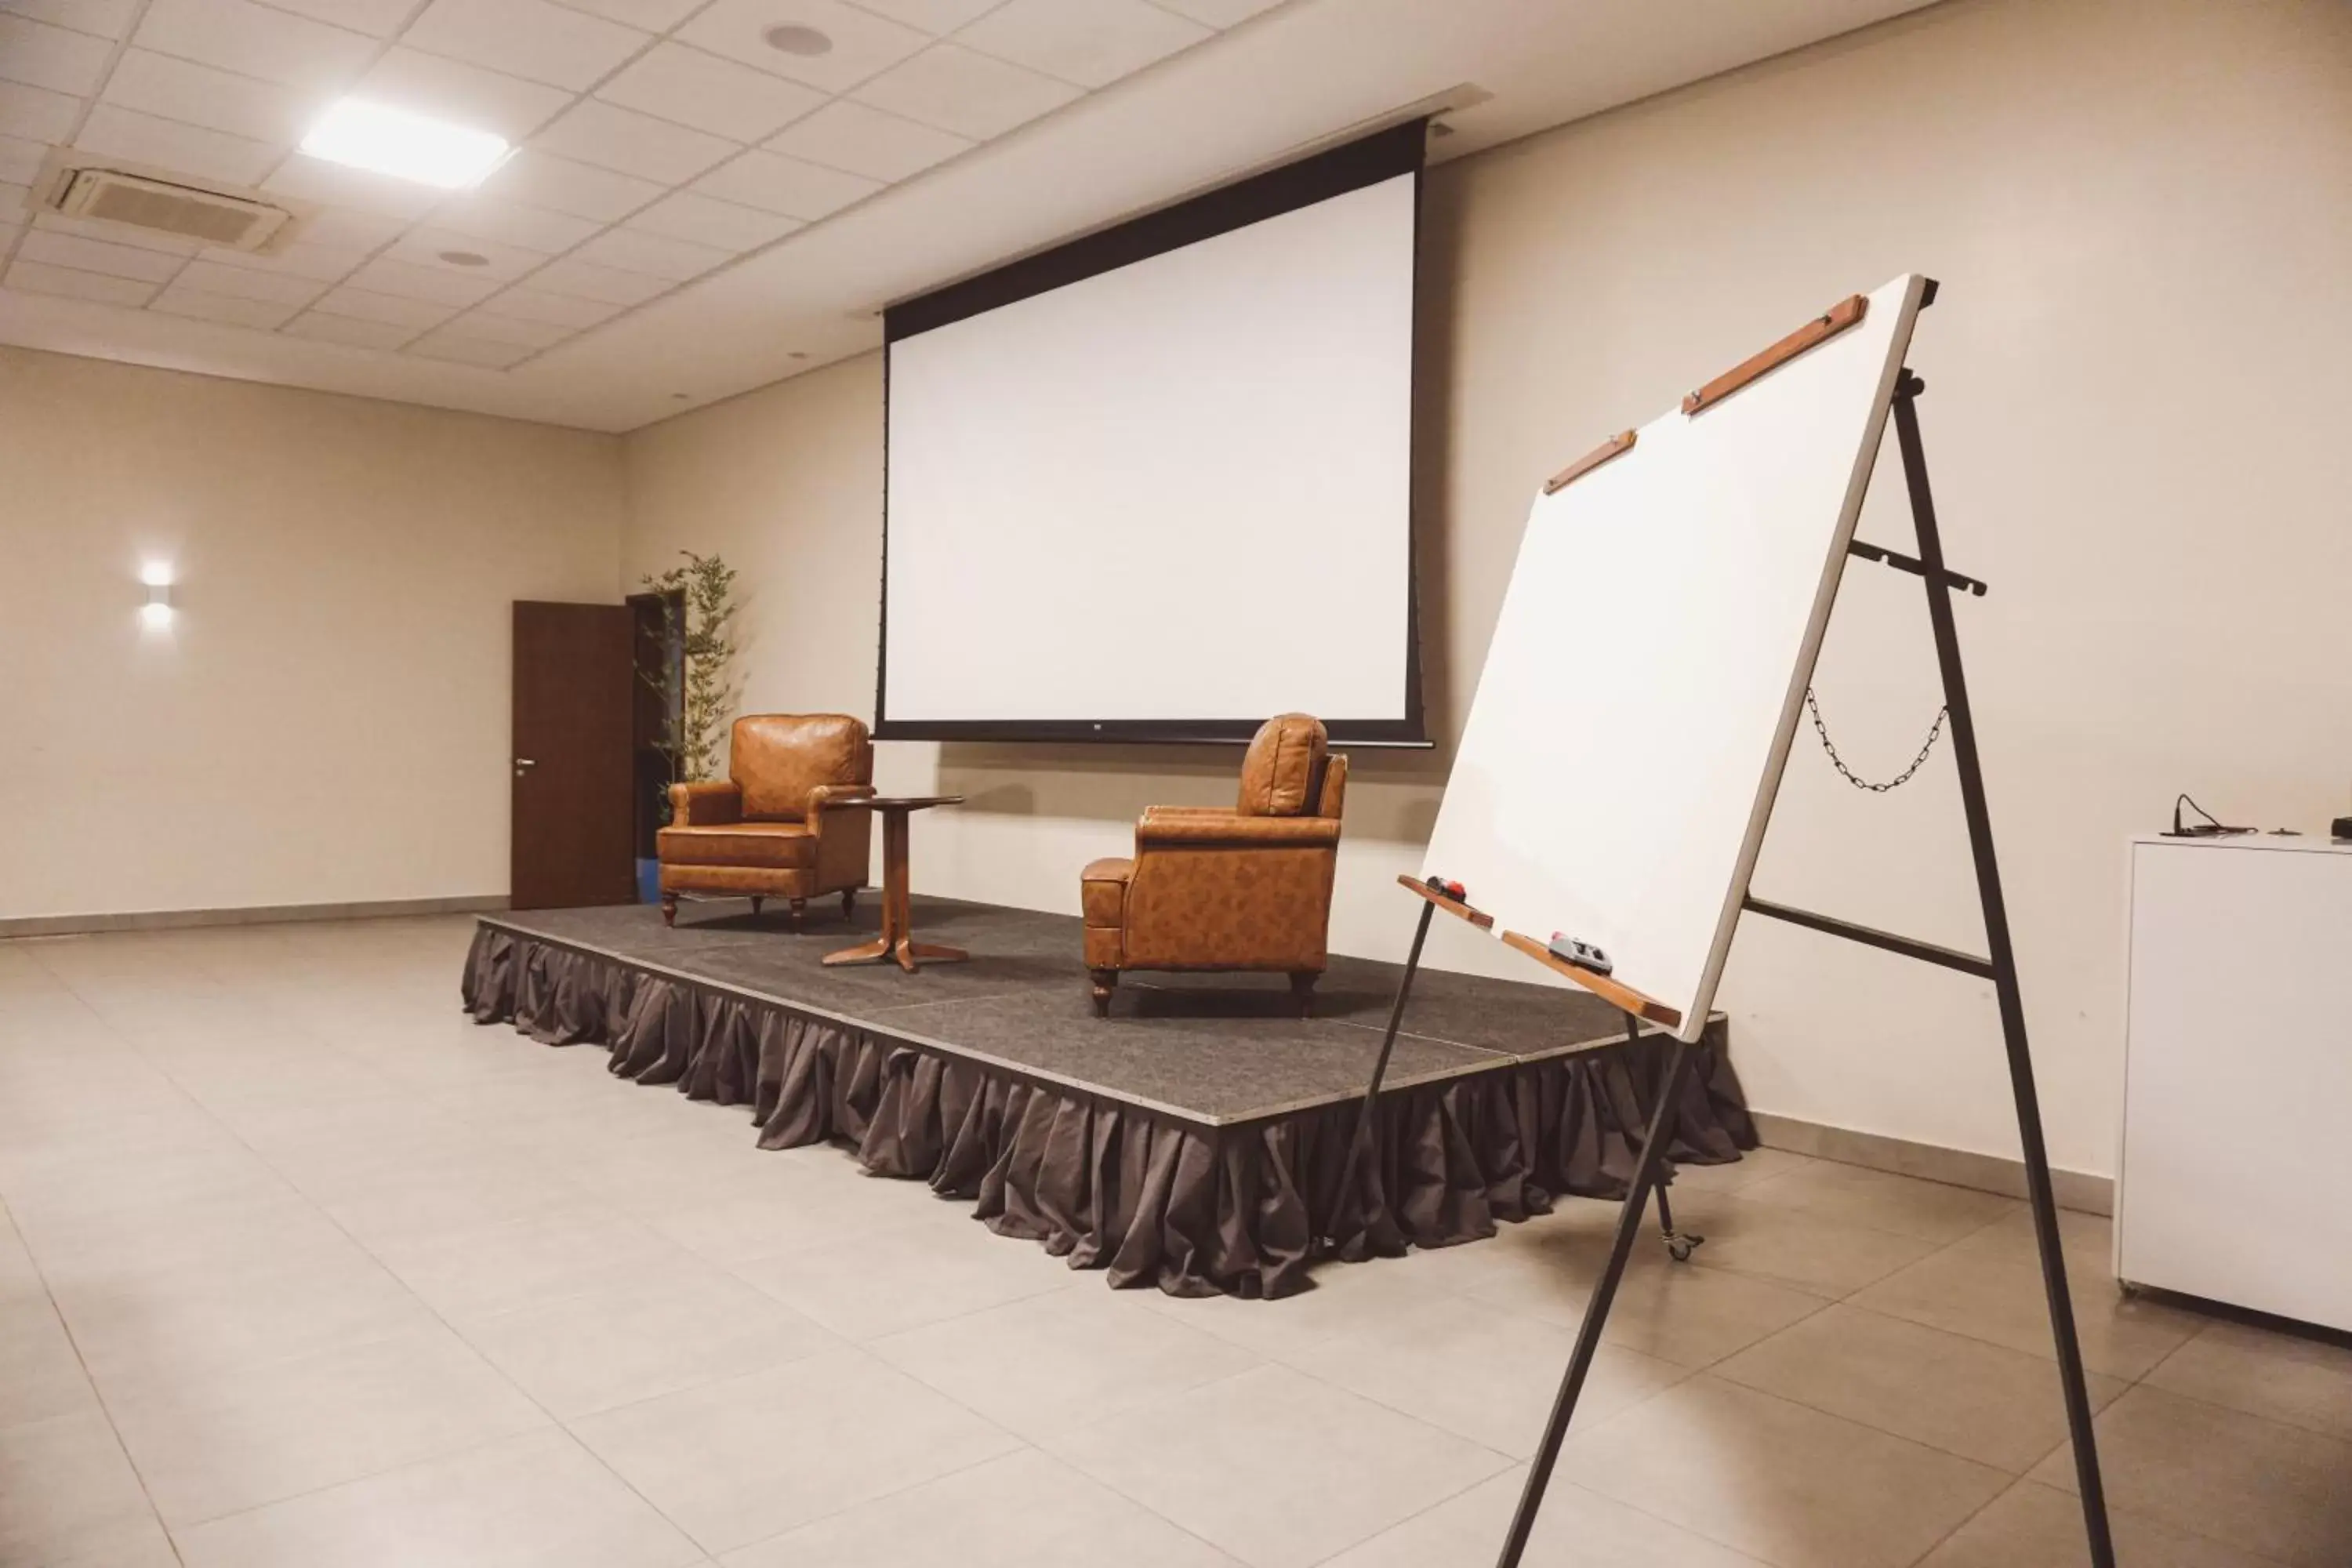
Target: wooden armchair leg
{"points": [[669, 908], [849, 903], [800, 908], [757, 899], [1105, 980], [1302, 989]]}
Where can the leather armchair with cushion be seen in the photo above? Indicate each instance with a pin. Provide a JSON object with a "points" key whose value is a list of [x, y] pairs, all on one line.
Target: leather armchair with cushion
{"points": [[1246, 889], [764, 832]]}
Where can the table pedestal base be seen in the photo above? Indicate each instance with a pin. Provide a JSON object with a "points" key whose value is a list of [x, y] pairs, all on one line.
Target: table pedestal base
{"points": [[896, 944]]}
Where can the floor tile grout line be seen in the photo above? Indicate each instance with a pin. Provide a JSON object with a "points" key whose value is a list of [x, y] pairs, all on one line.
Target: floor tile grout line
{"points": [[558, 1422], [1145, 1504], [492, 1368], [73, 1340]]}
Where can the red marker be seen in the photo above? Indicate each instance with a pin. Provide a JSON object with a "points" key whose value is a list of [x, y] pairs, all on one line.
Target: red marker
{"points": [[1453, 891]]}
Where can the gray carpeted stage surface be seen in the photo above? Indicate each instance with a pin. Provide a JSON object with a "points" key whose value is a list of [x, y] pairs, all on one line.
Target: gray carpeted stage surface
{"points": [[1211, 1049]]}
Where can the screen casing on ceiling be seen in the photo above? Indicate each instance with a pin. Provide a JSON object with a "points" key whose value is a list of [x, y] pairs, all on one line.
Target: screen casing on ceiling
{"points": [[1380, 689]]}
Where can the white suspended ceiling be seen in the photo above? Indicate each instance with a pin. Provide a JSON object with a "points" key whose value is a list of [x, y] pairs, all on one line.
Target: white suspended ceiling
{"points": [[693, 212]]}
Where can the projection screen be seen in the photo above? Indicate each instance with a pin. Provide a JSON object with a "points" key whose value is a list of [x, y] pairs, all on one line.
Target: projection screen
{"points": [[1156, 484]]}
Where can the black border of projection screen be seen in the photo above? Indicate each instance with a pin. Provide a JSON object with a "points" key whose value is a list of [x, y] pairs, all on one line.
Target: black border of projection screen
{"points": [[1382, 155]]}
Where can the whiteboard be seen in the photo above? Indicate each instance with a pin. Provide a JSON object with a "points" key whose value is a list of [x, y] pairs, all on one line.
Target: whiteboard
{"points": [[1648, 670]]}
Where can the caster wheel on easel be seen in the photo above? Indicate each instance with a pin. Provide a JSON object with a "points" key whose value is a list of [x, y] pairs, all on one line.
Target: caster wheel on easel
{"points": [[1680, 1248]]}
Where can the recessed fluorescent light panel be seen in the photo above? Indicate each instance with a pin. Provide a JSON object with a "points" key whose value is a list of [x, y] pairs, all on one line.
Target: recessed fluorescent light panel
{"points": [[406, 146]]}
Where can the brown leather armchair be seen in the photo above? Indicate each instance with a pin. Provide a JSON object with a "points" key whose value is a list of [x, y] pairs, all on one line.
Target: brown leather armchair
{"points": [[1245, 888], [764, 832]]}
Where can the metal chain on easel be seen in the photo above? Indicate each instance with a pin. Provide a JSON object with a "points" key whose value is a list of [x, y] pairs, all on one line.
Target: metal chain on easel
{"points": [[1847, 773]]}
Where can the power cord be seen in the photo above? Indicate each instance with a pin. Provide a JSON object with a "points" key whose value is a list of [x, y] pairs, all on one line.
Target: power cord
{"points": [[2211, 828]]}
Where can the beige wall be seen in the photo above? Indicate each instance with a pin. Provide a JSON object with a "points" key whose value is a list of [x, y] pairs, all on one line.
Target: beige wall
{"points": [[326, 721], [2135, 207]]}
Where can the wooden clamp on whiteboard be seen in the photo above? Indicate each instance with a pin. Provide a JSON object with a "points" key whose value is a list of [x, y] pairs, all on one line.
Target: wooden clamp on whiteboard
{"points": [[1615, 446], [1624, 998], [1845, 313]]}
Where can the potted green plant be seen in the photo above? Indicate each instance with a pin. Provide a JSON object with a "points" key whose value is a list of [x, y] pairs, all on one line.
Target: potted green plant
{"points": [[692, 671]]}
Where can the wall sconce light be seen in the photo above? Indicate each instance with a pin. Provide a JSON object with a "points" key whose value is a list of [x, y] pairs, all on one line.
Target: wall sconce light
{"points": [[157, 610]]}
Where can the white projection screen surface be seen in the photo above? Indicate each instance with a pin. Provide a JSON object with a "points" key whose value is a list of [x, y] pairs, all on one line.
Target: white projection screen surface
{"points": [[1168, 498]]}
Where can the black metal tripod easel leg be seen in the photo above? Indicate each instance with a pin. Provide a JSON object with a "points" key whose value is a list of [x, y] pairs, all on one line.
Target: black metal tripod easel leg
{"points": [[1360, 1145], [2039, 1193], [1680, 1244], [1596, 1311]]}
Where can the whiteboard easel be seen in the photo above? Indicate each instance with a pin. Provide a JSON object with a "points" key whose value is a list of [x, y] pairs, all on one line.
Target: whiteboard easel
{"points": [[1617, 772]]}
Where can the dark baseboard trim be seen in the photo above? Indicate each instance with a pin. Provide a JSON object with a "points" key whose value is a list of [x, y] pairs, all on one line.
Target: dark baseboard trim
{"points": [[247, 915], [2076, 1190]]}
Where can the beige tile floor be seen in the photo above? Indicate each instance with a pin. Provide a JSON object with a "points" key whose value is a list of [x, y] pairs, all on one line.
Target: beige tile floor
{"points": [[298, 1266]]}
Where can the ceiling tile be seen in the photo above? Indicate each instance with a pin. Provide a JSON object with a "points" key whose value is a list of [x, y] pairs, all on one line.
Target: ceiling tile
{"points": [[38, 277], [779, 185], [500, 263], [347, 228], [368, 306], [614, 137], [338, 184], [530, 305], [216, 99], [100, 18], [499, 329], [632, 251], [530, 228], [1090, 42], [653, 16], [527, 38], [452, 89], [861, 42], [542, 180], [118, 133], [846, 134], [570, 275], [722, 225], [932, 15], [180, 300], [469, 349], [350, 331], [722, 97], [14, 202], [20, 161], [441, 284], [41, 55], [250, 283], [1218, 13], [116, 233], [255, 40], [98, 256], [320, 263], [970, 94], [36, 113], [377, 18]]}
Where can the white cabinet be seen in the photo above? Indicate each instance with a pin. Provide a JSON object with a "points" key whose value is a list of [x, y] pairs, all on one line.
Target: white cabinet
{"points": [[2235, 1177]]}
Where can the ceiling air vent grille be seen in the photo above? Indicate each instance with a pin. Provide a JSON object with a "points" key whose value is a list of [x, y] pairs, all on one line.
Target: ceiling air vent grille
{"points": [[185, 210]]}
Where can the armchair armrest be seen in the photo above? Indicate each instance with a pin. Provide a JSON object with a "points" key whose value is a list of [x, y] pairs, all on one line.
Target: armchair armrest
{"points": [[1232, 830], [705, 804], [826, 793]]}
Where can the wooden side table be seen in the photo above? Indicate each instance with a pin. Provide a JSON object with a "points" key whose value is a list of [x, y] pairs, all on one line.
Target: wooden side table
{"points": [[896, 941]]}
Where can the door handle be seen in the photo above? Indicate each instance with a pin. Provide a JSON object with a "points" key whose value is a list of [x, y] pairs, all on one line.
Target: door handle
{"points": [[522, 765]]}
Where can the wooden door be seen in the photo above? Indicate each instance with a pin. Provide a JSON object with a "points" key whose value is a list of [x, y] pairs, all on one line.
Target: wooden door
{"points": [[572, 699]]}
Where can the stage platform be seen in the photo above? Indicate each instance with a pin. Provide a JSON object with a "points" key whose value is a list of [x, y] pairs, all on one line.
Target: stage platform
{"points": [[1194, 1139]]}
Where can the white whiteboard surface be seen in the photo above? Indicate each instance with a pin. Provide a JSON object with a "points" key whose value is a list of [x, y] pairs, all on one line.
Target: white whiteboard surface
{"points": [[1179, 490], [1648, 670]]}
